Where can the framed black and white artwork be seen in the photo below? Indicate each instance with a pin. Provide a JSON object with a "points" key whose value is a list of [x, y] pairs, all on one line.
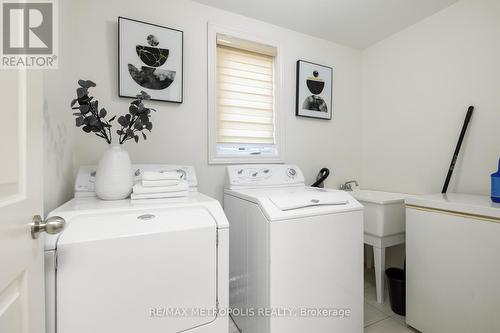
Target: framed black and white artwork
{"points": [[314, 90], [149, 59]]}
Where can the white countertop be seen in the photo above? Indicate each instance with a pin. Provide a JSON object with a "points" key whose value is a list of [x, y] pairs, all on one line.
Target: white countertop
{"points": [[458, 202]]}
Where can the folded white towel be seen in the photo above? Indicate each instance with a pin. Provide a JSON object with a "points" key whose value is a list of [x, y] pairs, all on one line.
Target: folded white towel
{"points": [[155, 183], [161, 175], [178, 194], [155, 201], [141, 189]]}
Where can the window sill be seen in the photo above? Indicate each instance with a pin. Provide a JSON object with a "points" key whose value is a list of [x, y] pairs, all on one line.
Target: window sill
{"points": [[245, 160]]}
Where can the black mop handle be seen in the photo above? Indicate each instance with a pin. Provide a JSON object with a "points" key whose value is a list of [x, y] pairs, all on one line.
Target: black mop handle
{"points": [[457, 148]]}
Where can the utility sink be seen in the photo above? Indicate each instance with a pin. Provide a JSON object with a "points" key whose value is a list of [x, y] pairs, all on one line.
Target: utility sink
{"points": [[384, 211], [384, 226]]}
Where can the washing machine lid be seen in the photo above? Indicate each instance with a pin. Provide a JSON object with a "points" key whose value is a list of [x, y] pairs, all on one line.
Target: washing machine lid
{"points": [[137, 271], [295, 202], [306, 199]]}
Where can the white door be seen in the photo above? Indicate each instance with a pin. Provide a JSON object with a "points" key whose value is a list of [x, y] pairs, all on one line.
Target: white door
{"points": [[21, 257]]}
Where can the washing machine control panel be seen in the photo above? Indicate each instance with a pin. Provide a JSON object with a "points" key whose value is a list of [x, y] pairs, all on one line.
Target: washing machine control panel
{"points": [[262, 175], [291, 173]]}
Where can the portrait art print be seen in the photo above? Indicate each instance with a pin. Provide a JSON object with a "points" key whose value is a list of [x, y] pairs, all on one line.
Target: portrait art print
{"points": [[149, 59], [314, 90]]}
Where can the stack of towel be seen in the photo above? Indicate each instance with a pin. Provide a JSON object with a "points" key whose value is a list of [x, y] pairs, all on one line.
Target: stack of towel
{"points": [[157, 185]]}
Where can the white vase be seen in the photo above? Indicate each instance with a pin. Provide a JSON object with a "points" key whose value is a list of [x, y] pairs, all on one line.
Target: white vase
{"points": [[113, 179]]}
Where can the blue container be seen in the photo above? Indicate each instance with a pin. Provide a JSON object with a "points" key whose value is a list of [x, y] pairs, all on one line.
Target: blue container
{"points": [[495, 185]]}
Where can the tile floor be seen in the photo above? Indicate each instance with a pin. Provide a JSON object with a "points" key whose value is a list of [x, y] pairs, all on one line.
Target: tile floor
{"points": [[379, 318]]}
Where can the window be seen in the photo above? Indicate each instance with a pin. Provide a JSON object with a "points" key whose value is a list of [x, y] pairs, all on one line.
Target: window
{"points": [[243, 99]]}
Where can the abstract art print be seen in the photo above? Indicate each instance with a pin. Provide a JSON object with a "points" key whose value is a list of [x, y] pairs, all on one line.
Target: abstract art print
{"points": [[314, 90], [149, 59]]}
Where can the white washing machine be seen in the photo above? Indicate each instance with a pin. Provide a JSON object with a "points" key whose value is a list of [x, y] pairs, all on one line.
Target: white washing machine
{"points": [[296, 253], [151, 267]]}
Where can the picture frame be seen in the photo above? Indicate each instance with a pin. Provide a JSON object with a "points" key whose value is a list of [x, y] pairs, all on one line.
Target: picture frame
{"points": [[150, 58], [314, 92]]}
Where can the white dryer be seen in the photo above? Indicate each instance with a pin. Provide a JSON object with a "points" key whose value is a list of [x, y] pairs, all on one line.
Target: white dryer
{"points": [[296, 259], [152, 267]]}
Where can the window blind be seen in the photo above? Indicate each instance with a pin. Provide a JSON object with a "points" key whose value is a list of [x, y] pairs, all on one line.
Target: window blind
{"points": [[245, 96]]}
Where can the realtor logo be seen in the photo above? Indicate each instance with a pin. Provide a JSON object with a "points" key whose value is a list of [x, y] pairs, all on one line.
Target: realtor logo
{"points": [[29, 34]]}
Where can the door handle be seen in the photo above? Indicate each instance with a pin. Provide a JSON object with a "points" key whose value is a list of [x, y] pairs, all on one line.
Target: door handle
{"points": [[53, 225]]}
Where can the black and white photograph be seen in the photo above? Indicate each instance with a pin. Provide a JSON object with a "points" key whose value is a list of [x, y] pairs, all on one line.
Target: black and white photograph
{"points": [[150, 59], [314, 90]]}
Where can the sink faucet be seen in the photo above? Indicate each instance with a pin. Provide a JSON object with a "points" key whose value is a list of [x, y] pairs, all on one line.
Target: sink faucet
{"points": [[347, 186]]}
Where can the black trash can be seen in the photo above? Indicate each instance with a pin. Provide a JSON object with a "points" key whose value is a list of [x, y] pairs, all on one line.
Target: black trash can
{"points": [[397, 290]]}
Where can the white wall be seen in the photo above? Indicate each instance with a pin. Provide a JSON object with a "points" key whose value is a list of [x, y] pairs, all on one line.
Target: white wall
{"points": [[89, 50], [417, 86], [395, 127]]}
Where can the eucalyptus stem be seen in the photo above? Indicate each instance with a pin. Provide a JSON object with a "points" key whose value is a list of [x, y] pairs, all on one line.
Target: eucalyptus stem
{"points": [[91, 119]]}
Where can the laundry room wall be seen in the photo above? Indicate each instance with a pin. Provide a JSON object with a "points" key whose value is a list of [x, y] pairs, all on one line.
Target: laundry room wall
{"points": [[417, 86], [88, 50]]}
